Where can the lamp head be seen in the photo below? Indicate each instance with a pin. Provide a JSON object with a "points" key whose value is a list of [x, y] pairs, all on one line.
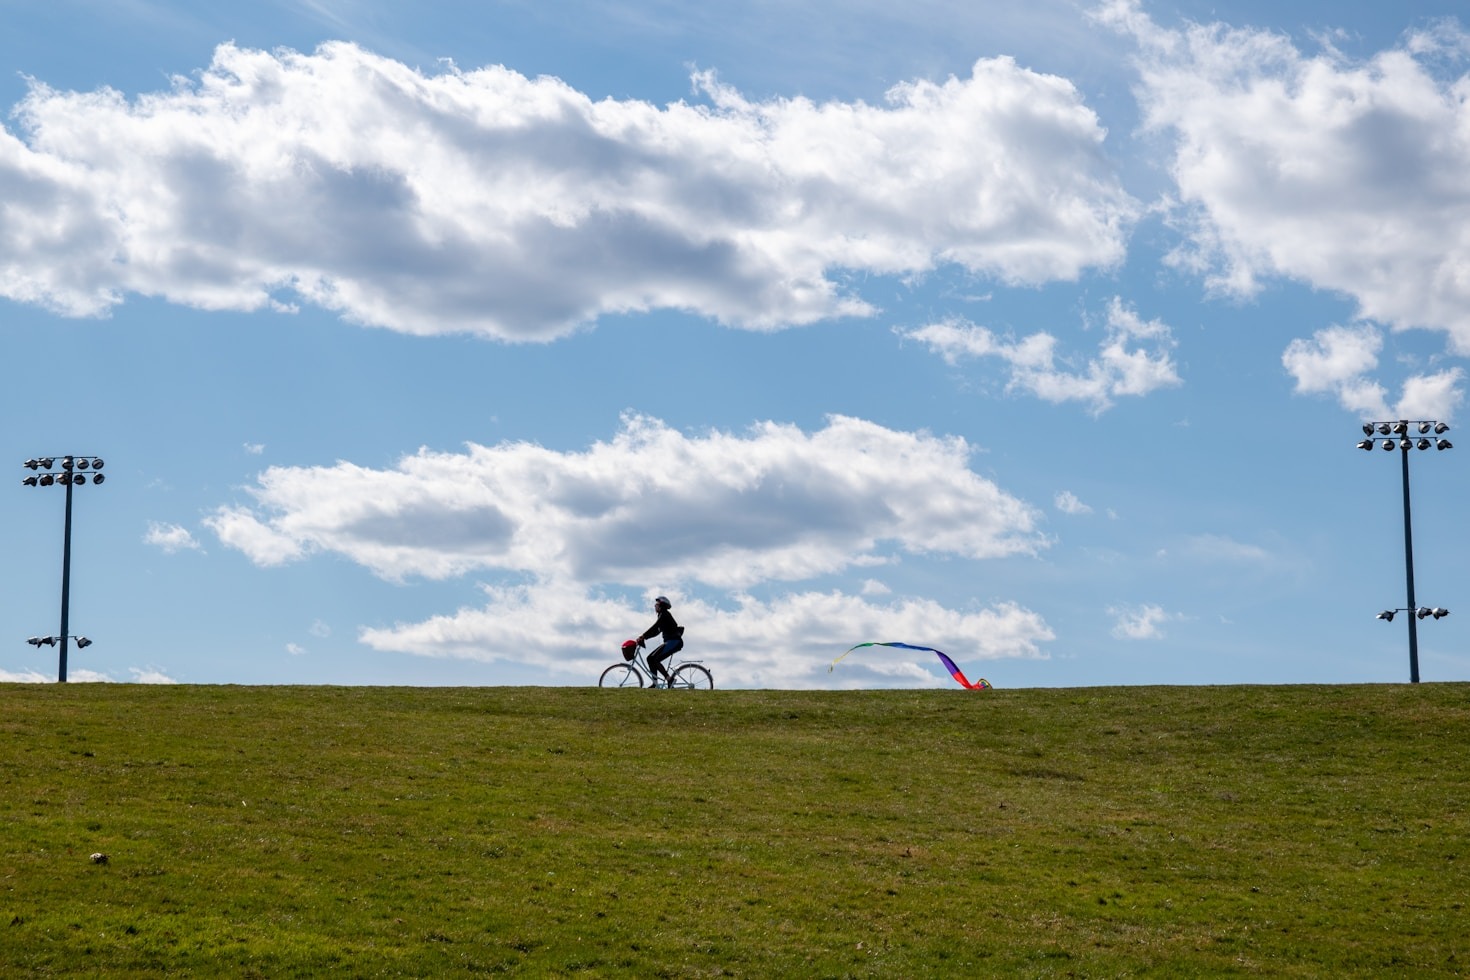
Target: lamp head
{"points": [[1365, 444], [1443, 444], [1386, 615], [1440, 613], [83, 643], [1440, 428]]}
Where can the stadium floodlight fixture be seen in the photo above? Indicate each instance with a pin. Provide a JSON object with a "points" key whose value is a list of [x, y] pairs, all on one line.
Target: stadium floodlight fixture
{"points": [[1397, 433]]}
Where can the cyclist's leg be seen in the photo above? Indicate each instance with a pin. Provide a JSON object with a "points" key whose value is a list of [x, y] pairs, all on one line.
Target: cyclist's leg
{"points": [[664, 652]]}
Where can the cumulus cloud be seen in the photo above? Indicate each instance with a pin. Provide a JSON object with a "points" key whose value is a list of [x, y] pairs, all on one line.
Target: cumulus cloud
{"points": [[787, 642], [729, 510], [1133, 359], [1143, 622], [24, 677], [171, 538], [518, 208], [1344, 174], [1069, 503], [1338, 361], [716, 511], [150, 675], [140, 675]]}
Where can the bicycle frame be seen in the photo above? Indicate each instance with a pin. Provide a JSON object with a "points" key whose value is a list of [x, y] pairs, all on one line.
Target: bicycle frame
{"points": [[670, 665]]}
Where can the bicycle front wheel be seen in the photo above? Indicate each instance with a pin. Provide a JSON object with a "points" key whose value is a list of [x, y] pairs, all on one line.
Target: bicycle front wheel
{"points": [[692, 677], [620, 675]]}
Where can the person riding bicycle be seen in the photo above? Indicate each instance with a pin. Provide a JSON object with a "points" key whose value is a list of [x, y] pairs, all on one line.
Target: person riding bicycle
{"points": [[673, 635]]}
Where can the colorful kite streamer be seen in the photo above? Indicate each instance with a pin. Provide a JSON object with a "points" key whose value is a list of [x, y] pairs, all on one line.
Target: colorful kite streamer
{"points": [[981, 685]]}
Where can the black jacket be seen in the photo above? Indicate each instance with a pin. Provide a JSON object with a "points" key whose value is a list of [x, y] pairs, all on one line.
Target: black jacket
{"points": [[671, 630]]}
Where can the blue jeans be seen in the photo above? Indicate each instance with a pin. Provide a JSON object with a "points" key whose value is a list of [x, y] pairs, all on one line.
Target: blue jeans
{"points": [[656, 658]]}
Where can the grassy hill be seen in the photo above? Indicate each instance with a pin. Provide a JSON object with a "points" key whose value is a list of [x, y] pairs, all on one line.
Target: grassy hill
{"points": [[274, 832]]}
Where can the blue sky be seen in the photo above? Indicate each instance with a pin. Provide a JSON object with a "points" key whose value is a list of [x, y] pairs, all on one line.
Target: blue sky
{"points": [[426, 344]]}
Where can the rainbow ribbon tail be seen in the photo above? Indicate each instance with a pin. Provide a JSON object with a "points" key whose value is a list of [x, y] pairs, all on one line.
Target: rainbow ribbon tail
{"points": [[954, 671], [981, 685]]}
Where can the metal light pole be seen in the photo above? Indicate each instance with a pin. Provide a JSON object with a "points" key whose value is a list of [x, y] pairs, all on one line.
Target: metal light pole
{"points": [[73, 474], [1400, 438]]}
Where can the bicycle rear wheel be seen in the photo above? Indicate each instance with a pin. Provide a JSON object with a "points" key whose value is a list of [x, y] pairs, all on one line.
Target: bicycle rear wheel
{"points": [[620, 675], [692, 677]]}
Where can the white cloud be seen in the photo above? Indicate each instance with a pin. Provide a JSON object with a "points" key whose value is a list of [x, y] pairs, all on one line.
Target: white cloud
{"points": [[295, 649], [518, 208], [170, 537], [1432, 396], [140, 675], [1133, 358], [84, 676], [728, 510], [1215, 547], [255, 448], [1143, 622], [25, 677], [1069, 503], [1347, 175], [150, 675], [1338, 360], [788, 642]]}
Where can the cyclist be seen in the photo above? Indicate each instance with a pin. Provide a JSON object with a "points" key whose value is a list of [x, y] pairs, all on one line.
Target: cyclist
{"points": [[673, 635]]}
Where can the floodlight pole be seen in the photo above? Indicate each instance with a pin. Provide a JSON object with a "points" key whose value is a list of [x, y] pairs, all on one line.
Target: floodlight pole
{"points": [[66, 585], [1400, 435], [1408, 574]]}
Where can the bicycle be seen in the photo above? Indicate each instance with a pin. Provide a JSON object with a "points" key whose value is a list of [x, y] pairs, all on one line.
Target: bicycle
{"points": [[686, 675]]}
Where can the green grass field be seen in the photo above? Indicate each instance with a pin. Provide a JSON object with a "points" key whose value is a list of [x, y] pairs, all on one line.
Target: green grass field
{"points": [[1186, 831]]}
